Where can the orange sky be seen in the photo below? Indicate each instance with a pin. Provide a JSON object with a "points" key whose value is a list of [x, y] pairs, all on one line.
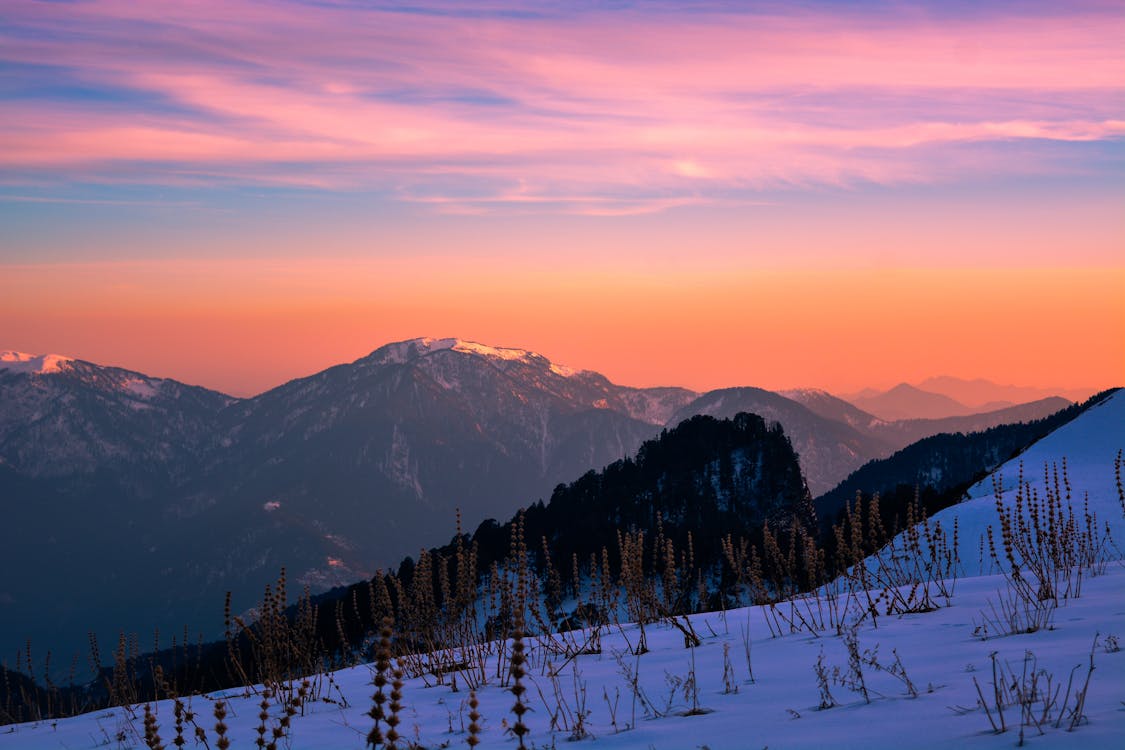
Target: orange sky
{"points": [[244, 326]]}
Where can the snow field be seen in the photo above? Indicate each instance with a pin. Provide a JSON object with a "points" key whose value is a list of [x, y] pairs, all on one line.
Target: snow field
{"points": [[779, 708]]}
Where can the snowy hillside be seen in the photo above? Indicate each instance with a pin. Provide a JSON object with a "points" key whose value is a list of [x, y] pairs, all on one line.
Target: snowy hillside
{"points": [[933, 679], [777, 709], [1088, 446]]}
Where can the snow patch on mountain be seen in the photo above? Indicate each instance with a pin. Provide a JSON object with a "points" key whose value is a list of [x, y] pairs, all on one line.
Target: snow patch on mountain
{"points": [[401, 466], [563, 370], [798, 393], [492, 352], [507, 354], [32, 364], [402, 352], [142, 388]]}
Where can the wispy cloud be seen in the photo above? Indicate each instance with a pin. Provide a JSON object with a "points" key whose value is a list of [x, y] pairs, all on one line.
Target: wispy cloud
{"points": [[628, 109], [97, 201]]}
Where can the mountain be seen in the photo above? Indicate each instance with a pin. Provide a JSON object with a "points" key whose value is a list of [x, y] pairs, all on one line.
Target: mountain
{"points": [[905, 401], [63, 417], [979, 393], [704, 474], [699, 480], [374, 458], [945, 396]]}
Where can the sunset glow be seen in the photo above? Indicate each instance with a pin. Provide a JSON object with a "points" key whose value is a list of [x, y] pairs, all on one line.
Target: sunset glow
{"points": [[832, 194]]}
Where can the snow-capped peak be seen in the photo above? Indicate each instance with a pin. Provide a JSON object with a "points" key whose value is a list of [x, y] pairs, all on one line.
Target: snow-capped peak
{"points": [[406, 351], [511, 355], [37, 364], [800, 393]]}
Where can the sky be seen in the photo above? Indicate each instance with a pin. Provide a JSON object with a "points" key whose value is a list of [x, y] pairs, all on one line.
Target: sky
{"points": [[826, 194]]}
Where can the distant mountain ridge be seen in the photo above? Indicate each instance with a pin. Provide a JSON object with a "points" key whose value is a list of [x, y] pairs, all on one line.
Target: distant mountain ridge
{"points": [[946, 396], [905, 401], [979, 392]]}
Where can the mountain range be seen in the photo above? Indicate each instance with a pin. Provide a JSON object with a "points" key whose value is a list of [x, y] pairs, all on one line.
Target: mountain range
{"points": [[946, 396], [141, 500], [948, 646]]}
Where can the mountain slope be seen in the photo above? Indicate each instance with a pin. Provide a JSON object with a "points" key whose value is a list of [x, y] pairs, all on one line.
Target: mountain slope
{"points": [[832, 407], [90, 461], [395, 442], [62, 416], [834, 438]]}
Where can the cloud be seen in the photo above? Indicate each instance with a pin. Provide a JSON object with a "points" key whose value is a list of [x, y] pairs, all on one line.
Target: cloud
{"points": [[647, 107]]}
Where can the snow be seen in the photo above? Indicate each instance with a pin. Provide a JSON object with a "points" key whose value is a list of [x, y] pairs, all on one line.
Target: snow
{"points": [[779, 708], [798, 393], [1088, 444], [32, 364], [492, 352], [563, 370], [511, 355], [407, 351], [142, 388], [943, 652], [400, 465]]}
